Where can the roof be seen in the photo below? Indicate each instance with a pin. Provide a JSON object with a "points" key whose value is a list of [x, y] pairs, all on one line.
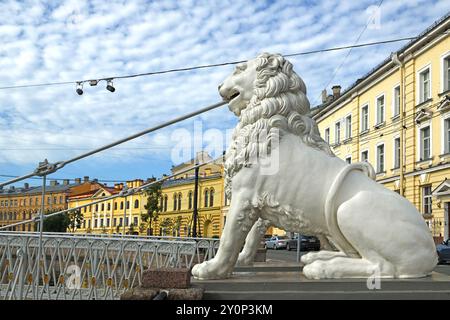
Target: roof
{"points": [[36, 190], [176, 182], [322, 107]]}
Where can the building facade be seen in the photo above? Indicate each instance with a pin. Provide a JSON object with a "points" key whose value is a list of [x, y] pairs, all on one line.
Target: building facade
{"points": [[24, 203], [397, 117]]}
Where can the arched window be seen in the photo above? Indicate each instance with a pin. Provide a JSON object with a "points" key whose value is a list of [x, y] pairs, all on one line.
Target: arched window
{"points": [[121, 205], [109, 206], [115, 205], [190, 200], [128, 204], [136, 203], [174, 202], [211, 198], [96, 207], [165, 203], [179, 201], [206, 198], [103, 207]]}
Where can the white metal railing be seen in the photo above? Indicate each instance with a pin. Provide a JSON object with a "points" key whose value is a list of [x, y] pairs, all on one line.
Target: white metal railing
{"points": [[87, 266]]}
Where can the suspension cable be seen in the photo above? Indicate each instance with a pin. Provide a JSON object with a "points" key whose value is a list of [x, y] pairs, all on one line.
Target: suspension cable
{"points": [[46, 168]]}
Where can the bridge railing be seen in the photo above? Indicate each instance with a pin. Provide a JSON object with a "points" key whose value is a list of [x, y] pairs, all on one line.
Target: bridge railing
{"points": [[86, 266]]}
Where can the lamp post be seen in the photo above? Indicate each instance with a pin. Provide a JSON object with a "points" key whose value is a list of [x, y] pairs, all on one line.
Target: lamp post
{"points": [[195, 212]]}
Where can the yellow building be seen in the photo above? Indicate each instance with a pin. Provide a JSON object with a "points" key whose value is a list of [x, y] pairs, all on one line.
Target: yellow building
{"points": [[397, 117], [177, 200], [119, 215]]}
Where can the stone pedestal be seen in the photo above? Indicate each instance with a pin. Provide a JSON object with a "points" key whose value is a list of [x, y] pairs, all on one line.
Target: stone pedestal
{"points": [[166, 278]]}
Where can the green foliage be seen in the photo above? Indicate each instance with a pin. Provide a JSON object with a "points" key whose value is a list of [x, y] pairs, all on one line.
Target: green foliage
{"points": [[57, 223], [153, 206]]}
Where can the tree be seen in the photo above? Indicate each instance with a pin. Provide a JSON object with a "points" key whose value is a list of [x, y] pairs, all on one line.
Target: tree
{"points": [[57, 223], [153, 206], [75, 220], [166, 225]]}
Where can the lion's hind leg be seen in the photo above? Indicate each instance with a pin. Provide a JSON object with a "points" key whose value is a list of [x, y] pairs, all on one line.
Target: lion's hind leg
{"points": [[340, 267], [310, 257], [252, 243]]}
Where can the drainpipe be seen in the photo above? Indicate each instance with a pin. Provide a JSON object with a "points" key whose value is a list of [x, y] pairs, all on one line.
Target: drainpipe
{"points": [[402, 107]]}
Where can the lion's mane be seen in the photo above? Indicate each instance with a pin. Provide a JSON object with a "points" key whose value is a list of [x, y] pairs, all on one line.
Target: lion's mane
{"points": [[278, 105]]}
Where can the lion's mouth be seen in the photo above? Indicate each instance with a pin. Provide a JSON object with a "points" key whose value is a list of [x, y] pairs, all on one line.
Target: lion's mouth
{"points": [[233, 95]]}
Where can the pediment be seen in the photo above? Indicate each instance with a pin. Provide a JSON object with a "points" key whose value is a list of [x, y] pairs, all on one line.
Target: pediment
{"points": [[443, 189], [423, 115], [444, 104]]}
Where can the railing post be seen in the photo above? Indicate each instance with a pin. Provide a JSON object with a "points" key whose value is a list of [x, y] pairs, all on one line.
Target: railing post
{"points": [[41, 229]]}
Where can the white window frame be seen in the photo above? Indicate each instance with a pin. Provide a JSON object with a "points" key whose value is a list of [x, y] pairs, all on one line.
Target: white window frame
{"points": [[384, 157], [419, 140], [443, 72], [428, 196], [394, 150], [349, 156], [394, 101], [443, 133], [348, 135], [340, 132], [360, 155], [325, 135], [418, 88], [384, 108], [366, 105]]}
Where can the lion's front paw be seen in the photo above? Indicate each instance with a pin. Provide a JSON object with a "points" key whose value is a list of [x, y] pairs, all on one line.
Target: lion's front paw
{"points": [[315, 270], [209, 270]]}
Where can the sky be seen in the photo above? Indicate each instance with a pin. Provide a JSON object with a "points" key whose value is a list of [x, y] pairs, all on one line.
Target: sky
{"points": [[57, 41]]}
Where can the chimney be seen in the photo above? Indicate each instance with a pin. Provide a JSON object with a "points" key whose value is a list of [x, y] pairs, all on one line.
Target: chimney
{"points": [[77, 180], [85, 178], [52, 183], [66, 182], [95, 180], [324, 95], [26, 186], [336, 91]]}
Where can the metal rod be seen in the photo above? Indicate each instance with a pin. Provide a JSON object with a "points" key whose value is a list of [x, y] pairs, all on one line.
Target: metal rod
{"points": [[41, 229], [124, 214], [134, 190], [61, 164], [195, 211]]}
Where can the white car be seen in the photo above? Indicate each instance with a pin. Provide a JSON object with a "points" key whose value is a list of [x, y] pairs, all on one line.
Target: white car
{"points": [[277, 242]]}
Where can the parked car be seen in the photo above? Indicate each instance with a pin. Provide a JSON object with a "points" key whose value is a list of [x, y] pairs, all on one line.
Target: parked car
{"points": [[307, 243], [443, 251], [277, 242]]}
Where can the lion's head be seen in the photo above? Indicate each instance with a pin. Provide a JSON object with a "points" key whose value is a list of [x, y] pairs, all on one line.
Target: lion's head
{"points": [[269, 97]]}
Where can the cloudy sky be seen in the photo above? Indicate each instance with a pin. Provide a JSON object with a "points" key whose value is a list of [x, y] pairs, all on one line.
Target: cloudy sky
{"points": [[53, 41]]}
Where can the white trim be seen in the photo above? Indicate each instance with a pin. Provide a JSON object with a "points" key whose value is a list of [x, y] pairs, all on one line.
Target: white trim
{"points": [[368, 117], [384, 156], [329, 135], [393, 100], [419, 146], [348, 156], [351, 125], [444, 117], [340, 131], [384, 108], [419, 71], [443, 57], [395, 137], [360, 154]]}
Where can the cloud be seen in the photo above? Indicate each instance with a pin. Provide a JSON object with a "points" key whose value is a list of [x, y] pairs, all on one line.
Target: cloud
{"points": [[46, 41]]}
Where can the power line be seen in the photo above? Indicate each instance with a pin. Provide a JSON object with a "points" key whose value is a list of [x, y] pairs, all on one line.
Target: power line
{"points": [[348, 53], [199, 66]]}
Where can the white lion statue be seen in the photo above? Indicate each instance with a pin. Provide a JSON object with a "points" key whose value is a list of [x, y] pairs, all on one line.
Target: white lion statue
{"points": [[280, 172]]}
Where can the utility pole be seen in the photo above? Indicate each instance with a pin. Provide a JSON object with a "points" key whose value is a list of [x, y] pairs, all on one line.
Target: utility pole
{"points": [[195, 212]]}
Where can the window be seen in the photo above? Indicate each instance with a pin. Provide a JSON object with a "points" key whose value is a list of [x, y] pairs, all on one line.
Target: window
{"points": [[107, 222], [397, 153], [136, 203], [115, 205], [446, 73], [121, 222], [447, 135], [190, 200], [128, 204], [348, 127], [95, 223], [96, 207], [337, 133], [103, 207], [211, 198], [206, 197], [101, 223], [396, 101], [179, 201], [426, 200], [365, 155], [348, 160], [380, 158], [114, 222], [165, 202], [364, 118], [135, 221], [175, 202], [380, 109], [121, 205], [424, 85], [327, 135], [425, 143], [127, 222], [109, 206]]}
